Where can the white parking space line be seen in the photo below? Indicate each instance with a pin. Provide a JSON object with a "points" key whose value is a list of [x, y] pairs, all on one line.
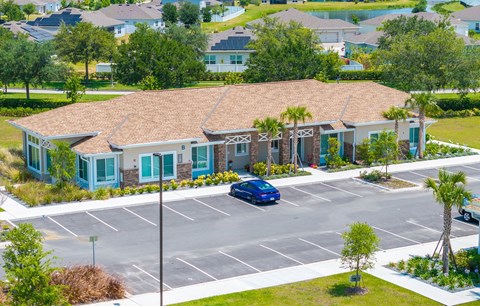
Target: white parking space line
{"points": [[62, 226], [425, 176], [393, 234], [468, 177], [281, 254], [139, 216], [101, 221], [320, 247], [465, 223], [241, 201], [11, 223], [179, 213], [228, 255], [427, 228], [470, 167], [342, 190], [198, 269], [288, 202], [136, 267], [205, 204], [311, 194]]}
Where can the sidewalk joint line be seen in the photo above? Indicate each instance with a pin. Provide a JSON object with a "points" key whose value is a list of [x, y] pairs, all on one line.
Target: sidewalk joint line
{"points": [[388, 232], [139, 216], [57, 223], [101, 221], [205, 204], [240, 261], [198, 269], [279, 253], [191, 219], [311, 194], [320, 247]]}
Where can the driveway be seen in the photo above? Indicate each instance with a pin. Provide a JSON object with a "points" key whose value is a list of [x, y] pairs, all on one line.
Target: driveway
{"points": [[218, 237]]}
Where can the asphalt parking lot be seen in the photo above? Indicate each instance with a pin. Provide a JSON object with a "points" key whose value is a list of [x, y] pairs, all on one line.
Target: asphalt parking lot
{"points": [[218, 237]]}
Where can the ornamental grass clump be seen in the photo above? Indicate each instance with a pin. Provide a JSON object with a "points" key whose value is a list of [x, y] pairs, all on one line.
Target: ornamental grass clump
{"points": [[88, 284], [12, 165]]}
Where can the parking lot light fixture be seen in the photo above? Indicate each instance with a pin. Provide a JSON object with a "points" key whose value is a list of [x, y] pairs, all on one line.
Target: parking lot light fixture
{"points": [[160, 226]]}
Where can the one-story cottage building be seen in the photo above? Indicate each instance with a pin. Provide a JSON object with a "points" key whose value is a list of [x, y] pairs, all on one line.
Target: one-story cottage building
{"points": [[328, 30], [206, 130], [471, 16], [133, 14], [41, 6]]}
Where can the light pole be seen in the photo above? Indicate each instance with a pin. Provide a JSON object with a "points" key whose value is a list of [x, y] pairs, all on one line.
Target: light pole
{"points": [[160, 226]]}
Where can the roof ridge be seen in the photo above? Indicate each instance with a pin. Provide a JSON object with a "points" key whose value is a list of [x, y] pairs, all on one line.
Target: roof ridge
{"points": [[214, 107], [117, 127], [344, 108]]}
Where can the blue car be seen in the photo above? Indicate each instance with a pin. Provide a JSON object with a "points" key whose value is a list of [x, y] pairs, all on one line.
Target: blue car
{"points": [[257, 191]]}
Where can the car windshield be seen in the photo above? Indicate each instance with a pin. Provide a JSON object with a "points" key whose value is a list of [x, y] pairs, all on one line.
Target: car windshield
{"points": [[264, 186]]}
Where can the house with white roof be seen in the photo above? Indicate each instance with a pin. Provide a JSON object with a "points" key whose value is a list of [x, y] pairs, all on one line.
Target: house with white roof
{"points": [[41, 6]]}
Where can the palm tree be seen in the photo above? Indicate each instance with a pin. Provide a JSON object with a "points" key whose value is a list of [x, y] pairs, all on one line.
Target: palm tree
{"points": [[424, 102], [295, 114], [449, 192], [270, 126], [397, 114]]}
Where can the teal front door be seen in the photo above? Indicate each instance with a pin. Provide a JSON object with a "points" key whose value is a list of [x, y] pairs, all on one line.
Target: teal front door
{"points": [[324, 145], [299, 148]]}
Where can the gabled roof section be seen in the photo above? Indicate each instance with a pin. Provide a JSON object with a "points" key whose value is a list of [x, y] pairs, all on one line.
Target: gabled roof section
{"points": [[430, 16], [188, 114], [34, 33], [308, 21], [132, 12], [72, 16], [370, 38], [232, 39], [469, 14]]}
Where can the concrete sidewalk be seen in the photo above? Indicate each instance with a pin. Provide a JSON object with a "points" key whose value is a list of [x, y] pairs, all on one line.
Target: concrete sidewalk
{"points": [[15, 210]]}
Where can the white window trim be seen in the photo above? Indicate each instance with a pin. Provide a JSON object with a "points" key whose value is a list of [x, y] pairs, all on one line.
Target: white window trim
{"points": [[278, 147], [247, 148], [39, 171], [115, 175], [208, 158], [78, 167], [155, 179], [378, 132]]}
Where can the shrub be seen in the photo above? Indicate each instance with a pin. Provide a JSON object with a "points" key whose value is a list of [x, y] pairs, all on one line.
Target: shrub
{"points": [[88, 284], [374, 176], [100, 194], [12, 165], [165, 186], [199, 181], [360, 75], [364, 153], [173, 184], [183, 183], [333, 158], [260, 169], [35, 193], [208, 181], [191, 184]]}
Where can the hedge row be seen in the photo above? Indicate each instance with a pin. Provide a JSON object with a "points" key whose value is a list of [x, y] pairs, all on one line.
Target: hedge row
{"points": [[216, 76], [360, 75], [33, 104], [20, 111], [457, 104]]}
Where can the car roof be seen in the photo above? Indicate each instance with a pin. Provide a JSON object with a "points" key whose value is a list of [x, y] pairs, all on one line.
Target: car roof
{"points": [[258, 182]]}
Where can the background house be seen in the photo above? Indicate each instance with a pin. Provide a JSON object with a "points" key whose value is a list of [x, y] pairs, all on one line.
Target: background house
{"points": [[42, 6], [371, 25], [72, 16], [131, 14], [471, 16], [227, 51], [32, 32], [328, 30]]}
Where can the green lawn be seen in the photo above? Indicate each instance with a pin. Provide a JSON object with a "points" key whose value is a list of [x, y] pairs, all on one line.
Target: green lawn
{"points": [[92, 85], [253, 12], [453, 6], [328, 290], [457, 130], [60, 97], [9, 136]]}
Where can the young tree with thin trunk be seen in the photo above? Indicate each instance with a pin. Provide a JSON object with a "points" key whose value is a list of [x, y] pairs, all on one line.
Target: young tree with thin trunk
{"points": [[295, 114], [385, 149], [449, 192], [270, 126], [29, 9], [423, 102], [84, 42], [360, 245]]}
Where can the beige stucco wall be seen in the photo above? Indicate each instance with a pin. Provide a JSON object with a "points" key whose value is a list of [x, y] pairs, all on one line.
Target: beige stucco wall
{"points": [[348, 137], [239, 162], [130, 158], [262, 152], [361, 132]]}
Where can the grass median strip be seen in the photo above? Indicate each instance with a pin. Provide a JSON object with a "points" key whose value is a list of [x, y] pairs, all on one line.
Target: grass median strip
{"points": [[328, 290]]}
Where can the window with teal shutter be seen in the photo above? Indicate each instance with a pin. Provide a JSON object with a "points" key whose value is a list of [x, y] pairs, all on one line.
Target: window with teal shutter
{"points": [[323, 144], [101, 170], [146, 167], [156, 166], [168, 165], [414, 136]]}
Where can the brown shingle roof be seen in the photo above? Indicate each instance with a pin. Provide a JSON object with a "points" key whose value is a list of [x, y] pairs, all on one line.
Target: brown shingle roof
{"points": [[470, 14], [430, 16], [170, 115]]}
